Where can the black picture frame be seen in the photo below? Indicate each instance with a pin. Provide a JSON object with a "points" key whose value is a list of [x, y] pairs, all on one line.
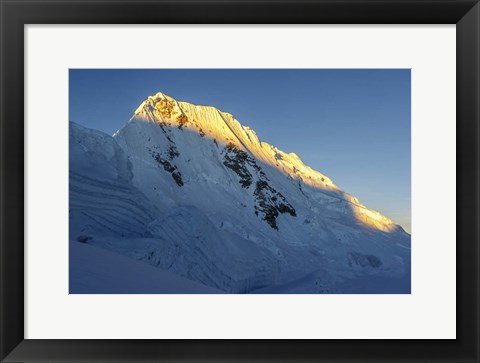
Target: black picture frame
{"points": [[15, 14]]}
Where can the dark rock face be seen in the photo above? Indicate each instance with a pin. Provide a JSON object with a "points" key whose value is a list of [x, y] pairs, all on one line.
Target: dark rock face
{"points": [[168, 167], [177, 176], [172, 152], [236, 160], [269, 202], [364, 260]]}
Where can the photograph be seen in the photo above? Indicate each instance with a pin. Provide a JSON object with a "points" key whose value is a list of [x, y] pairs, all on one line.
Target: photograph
{"points": [[239, 181]]}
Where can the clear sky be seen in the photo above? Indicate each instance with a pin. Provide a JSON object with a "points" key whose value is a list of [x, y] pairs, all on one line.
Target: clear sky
{"points": [[351, 125]]}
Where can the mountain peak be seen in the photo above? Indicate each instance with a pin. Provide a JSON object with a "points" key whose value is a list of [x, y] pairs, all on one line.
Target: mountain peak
{"points": [[153, 102], [196, 125]]}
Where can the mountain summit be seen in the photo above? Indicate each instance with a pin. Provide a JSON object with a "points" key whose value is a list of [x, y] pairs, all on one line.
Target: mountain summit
{"points": [[207, 200]]}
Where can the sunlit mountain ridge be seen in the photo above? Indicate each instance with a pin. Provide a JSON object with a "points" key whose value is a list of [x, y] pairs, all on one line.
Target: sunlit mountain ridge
{"points": [[222, 127]]}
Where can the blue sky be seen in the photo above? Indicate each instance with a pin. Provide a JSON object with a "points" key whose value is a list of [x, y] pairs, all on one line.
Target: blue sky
{"points": [[352, 125]]}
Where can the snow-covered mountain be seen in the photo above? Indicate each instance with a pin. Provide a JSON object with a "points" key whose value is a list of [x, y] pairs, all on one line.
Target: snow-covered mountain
{"points": [[190, 190]]}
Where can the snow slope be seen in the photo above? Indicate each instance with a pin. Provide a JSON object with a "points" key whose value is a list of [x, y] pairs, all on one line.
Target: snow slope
{"points": [[94, 270], [188, 189], [102, 196]]}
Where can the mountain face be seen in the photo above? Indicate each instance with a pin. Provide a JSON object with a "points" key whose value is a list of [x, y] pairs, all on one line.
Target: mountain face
{"points": [[190, 190]]}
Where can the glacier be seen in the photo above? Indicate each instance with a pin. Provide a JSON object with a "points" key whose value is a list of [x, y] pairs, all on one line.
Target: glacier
{"points": [[190, 191]]}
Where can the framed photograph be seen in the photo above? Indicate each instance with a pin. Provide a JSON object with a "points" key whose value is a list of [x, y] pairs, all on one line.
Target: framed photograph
{"points": [[240, 181]]}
